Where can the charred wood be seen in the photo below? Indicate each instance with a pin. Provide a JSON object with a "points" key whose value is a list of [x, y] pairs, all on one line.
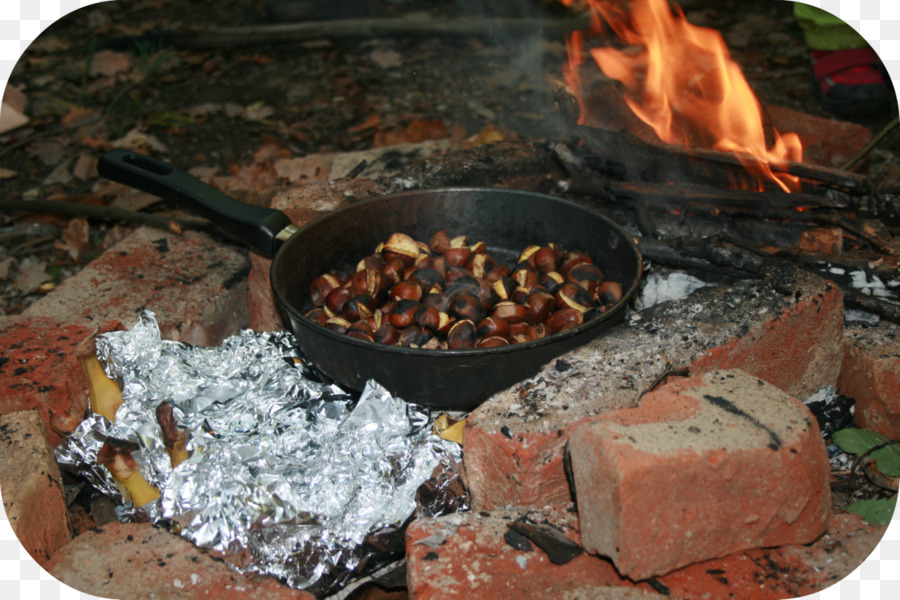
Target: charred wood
{"points": [[725, 262]]}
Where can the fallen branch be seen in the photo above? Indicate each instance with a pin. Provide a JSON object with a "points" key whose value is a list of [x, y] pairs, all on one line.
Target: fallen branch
{"points": [[103, 213], [495, 29]]}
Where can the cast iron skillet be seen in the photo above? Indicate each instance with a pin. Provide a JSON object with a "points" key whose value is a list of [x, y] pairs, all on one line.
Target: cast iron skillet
{"points": [[507, 220]]}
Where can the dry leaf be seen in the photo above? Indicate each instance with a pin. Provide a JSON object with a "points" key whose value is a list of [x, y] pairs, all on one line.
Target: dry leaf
{"points": [[134, 200], [85, 168], [7, 173], [115, 235], [109, 62], [386, 58], [31, 275], [77, 114], [138, 140], [371, 122], [258, 111], [75, 238], [49, 152], [4, 267]]}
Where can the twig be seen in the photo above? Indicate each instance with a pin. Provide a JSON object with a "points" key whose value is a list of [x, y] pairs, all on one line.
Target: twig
{"points": [[495, 29], [859, 459], [103, 213], [668, 372], [849, 166]]}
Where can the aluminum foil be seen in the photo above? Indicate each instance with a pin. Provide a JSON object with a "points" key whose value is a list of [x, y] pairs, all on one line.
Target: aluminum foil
{"points": [[287, 476]]}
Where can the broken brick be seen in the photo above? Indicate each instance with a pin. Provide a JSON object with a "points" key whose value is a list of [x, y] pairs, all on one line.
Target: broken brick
{"points": [[33, 496], [196, 287], [128, 560], [468, 555], [40, 369], [870, 374], [707, 466], [784, 328]]}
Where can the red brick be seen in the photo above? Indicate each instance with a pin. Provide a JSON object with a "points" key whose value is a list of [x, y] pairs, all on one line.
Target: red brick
{"points": [[465, 556], [40, 369], [828, 142], [707, 466], [138, 560], [784, 328], [870, 375], [197, 287], [32, 490], [302, 204]]}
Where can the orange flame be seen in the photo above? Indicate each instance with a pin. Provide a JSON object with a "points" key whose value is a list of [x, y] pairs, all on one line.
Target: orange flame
{"points": [[684, 84]]}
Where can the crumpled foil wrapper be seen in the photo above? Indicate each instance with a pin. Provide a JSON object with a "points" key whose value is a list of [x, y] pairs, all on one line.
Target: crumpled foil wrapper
{"points": [[287, 476]]}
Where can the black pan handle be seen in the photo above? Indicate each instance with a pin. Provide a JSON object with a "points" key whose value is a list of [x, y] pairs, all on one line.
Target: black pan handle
{"points": [[263, 229]]}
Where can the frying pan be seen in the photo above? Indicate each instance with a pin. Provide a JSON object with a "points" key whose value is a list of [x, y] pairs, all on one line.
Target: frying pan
{"points": [[506, 220]]}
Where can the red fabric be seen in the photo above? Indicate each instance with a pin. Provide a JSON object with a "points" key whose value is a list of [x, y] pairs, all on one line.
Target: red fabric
{"points": [[846, 67]]}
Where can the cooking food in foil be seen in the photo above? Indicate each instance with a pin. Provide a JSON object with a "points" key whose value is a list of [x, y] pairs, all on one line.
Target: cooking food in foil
{"points": [[277, 473]]}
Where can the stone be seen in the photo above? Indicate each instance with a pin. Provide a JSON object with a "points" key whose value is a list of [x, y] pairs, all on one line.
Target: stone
{"points": [[706, 466], [30, 483], [40, 369], [870, 374], [784, 328], [469, 555], [196, 287], [138, 560]]}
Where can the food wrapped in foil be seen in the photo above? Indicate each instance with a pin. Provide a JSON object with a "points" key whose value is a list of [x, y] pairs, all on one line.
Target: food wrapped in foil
{"points": [[287, 476]]}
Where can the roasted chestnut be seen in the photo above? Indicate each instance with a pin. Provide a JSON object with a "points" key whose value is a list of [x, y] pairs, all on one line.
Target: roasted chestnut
{"points": [[359, 307], [540, 305], [414, 336], [609, 292], [465, 306], [563, 319], [461, 335], [335, 301], [510, 312], [387, 334], [572, 295], [492, 327], [321, 286], [586, 275], [406, 290], [449, 294], [401, 246], [404, 314]]}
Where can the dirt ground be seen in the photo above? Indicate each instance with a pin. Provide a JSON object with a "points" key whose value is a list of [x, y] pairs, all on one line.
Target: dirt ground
{"points": [[125, 73]]}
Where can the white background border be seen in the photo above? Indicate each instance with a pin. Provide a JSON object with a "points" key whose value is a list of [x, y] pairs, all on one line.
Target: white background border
{"points": [[21, 21]]}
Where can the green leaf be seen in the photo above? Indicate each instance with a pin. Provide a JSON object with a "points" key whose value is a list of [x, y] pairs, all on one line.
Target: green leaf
{"points": [[877, 511], [888, 460], [856, 441]]}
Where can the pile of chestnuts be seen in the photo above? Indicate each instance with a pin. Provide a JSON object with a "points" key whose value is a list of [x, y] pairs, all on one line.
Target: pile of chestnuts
{"points": [[448, 294]]}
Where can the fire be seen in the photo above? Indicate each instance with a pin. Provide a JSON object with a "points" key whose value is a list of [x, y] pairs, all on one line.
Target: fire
{"points": [[681, 81]]}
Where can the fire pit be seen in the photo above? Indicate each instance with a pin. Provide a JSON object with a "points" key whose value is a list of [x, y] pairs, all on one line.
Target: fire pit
{"points": [[778, 254]]}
